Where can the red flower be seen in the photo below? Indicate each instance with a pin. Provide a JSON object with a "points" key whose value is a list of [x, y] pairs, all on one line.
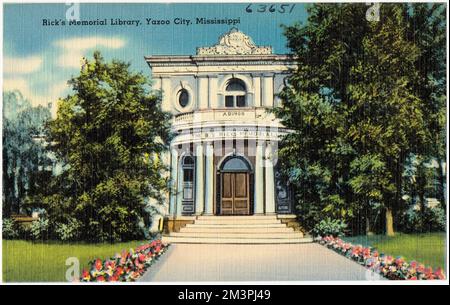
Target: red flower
{"points": [[141, 257], [86, 274], [413, 278], [98, 264], [113, 278], [100, 278]]}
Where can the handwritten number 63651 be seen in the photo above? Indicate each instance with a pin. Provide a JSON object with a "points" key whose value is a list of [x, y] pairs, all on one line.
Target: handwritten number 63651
{"points": [[271, 8]]}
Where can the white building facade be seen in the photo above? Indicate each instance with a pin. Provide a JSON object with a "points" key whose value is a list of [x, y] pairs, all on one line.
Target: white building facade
{"points": [[223, 154]]}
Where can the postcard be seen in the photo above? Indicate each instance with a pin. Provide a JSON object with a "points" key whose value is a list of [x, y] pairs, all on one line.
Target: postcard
{"points": [[285, 142]]}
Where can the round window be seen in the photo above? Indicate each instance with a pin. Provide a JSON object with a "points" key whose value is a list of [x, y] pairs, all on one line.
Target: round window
{"points": [[183, 98]]}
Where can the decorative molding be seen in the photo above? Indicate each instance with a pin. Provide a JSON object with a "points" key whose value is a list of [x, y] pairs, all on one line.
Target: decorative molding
{"points": [[235, 43]]}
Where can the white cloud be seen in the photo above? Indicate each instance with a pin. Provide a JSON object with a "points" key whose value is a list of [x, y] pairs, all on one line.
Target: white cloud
{"points": [[73, 49], [24, 65], [52, 95], [86, 43]]}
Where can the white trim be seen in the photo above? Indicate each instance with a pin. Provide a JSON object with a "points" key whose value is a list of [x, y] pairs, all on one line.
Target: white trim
{"points": [[243, 77], [237, 155], [176, 93]]}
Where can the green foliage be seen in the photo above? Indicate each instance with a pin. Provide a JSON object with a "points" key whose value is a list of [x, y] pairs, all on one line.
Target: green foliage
{"points": [[330, 227], [107, 136], [24, 156], [67, 231], [10, 229], [426, 220], [360, 103], [40, 229]]}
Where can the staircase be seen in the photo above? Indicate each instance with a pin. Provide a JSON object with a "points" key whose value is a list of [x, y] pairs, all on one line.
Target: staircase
{"points": [[263, 229]]}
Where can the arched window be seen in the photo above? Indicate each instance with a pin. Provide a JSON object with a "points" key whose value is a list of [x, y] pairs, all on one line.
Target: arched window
{"points": [[235, 93], [235, 164], [188, 178]]}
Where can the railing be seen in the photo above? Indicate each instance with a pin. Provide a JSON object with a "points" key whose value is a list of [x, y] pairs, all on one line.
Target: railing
{"points": [[248, 115]]}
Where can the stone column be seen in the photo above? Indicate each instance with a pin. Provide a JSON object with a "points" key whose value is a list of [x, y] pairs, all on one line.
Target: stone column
{"points": [[202, 92], [199, 180], [180, 190], [259, 179], [270, 183], [166, 104], [257, 87], [268, 90], [173, 182], [213, 102], [209, 186]]}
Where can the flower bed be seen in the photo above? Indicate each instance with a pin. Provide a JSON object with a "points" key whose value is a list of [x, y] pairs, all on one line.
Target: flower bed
{"points": [[389, 267], [124, 267]]}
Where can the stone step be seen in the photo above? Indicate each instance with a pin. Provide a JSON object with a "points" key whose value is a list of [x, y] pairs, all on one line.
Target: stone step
{"points": [[243, 217], [195, 240], [237, 221], [242, 225], [281, 235], [234, 229]]}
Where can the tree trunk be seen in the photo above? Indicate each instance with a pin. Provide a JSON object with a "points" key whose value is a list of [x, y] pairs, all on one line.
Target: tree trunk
{"points": [[389, 222], [422, 211], [368, 231]]}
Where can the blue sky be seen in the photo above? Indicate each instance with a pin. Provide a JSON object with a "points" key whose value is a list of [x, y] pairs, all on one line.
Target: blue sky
{"points": [[38, 60]]}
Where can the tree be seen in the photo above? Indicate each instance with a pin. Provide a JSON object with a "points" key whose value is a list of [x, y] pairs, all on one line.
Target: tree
{"points": [[387, 115], [427, 30], [317, 156], [107, 135], [356, 108], [24, 158]]}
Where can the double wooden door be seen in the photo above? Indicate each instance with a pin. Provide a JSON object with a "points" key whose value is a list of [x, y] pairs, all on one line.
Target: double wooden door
{"points": [[235, 197]]}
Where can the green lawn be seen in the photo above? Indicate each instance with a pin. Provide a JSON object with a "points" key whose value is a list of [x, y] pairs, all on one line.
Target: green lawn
{"points": [[427, 248], [25, 261]]}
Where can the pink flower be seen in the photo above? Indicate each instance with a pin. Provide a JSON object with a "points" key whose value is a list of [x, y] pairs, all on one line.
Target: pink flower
{"points": [[439, 274]]}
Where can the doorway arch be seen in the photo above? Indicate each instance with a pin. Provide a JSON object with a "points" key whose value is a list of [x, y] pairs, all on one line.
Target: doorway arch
{"points": [[235, 186]]}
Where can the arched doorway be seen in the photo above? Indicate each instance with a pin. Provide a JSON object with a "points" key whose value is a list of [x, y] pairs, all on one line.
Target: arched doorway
{"points": [[235, 186]]}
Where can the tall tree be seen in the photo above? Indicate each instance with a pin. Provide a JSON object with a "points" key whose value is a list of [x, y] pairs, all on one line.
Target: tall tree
{"points": [[387, 118], [427, 31], [317, 156], [106, 135], [354, 106], [23, 155]]}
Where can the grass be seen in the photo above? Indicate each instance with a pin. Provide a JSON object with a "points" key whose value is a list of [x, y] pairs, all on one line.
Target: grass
{"points": [[25, 261], [426, 248]]}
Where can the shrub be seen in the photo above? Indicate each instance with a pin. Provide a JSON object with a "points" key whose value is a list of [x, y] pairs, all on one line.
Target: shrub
{"points": [[432, 220], [10, 229], [39, 229], [67, 231], [330, 227], [435, 219]]}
